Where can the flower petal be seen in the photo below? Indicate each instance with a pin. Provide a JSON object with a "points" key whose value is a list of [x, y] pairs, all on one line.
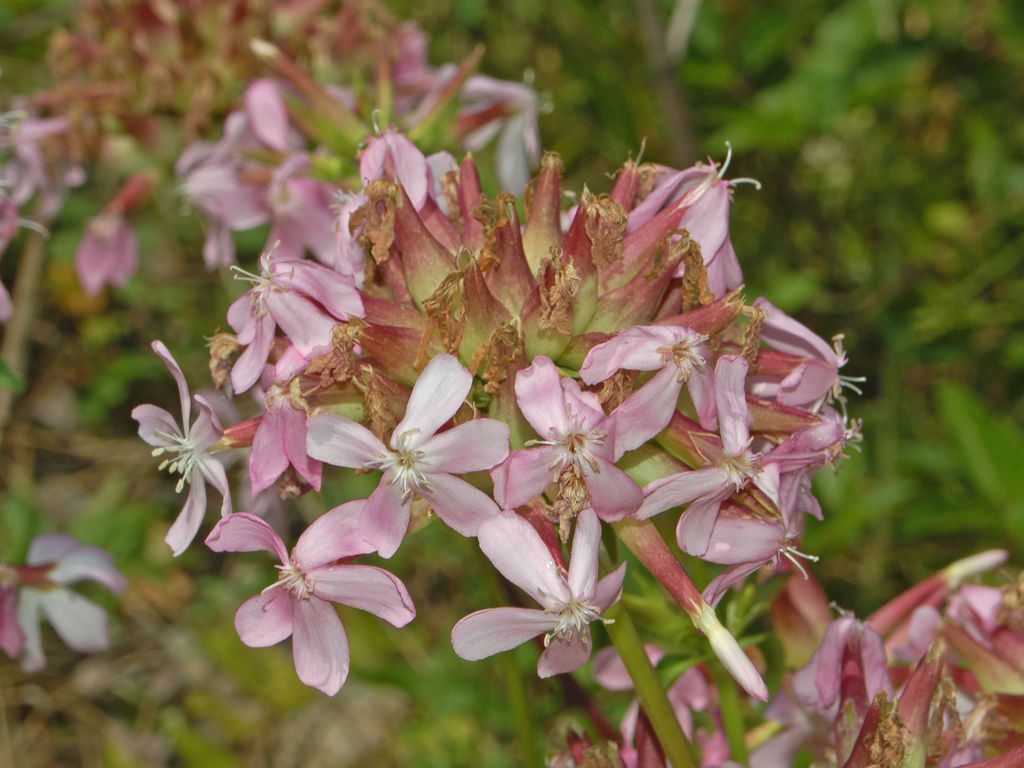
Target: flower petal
{"points": [[152, 420], [731, 401], [267, 461], [366, 588], [613, 493], [646, 411], [475, 445], [494, 630], [681, 488], [563, 656], [609, 588], [333, 536], [319, 646], [80, 623], [186, 524], [514, 547], [436, 396], [539, 394], [341, 442], [523, 475], [586, 545], [461, 505], [268, 116], [385, 518], [696, 524], [243, 532], [266, 619], [179, 378]]}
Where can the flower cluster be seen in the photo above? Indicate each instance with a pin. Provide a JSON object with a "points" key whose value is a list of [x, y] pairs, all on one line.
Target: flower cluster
{"points": [[527, 383]]}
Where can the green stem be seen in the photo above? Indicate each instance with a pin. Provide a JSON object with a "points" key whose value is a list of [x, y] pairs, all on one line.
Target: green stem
{"points": [[732, 715], [648, 688]]}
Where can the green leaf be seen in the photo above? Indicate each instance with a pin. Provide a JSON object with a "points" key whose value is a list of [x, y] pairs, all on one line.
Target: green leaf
{"points": [[9, 379]]}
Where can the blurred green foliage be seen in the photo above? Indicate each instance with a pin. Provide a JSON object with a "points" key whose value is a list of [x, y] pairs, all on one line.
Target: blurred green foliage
{"points": [[887, 137]]}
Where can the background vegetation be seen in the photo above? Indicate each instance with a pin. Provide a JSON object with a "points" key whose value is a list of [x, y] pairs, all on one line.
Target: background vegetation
{"points": [[887, 137]]}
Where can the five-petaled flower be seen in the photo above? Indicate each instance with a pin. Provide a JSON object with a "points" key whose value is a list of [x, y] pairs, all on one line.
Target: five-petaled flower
{"points": [[570, 600], [314, 575]]}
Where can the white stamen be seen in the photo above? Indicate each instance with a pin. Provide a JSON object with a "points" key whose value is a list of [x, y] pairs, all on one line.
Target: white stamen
{"points": [[294, 580], [186, 457], [406, 465]]}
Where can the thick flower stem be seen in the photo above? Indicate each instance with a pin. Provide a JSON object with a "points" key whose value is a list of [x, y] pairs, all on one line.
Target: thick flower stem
{"points": [[648, 688], [644, 541]]}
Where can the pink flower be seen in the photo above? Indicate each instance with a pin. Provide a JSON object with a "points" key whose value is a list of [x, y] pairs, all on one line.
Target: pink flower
{"points": [[298, 604], [302, 212], [705, 489], [570, 600], [280, 441], [706, 219], [267, 114], [507, 110], [576, 437], [418, 460], [304, 299], [109, 253], [12, 639], [188, 453], [391, 155], [678, 355], [817, 377], [59, 561]]}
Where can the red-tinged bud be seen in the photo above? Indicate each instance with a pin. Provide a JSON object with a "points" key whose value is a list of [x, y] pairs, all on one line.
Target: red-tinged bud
{"points": [[879, 740], [543, 222], [132, 194], [712, 319], [383, 312], [768, 417], [932, 591], [508, 274], [549, 313], [425, 262], [636, 302], [689, 442], [470, 193], [37, 576], [800, 617], [398, 350], [440, 226], [484, 314], [240, 435], [641, 247], [994, 673], [627, 184], [916, 704]]}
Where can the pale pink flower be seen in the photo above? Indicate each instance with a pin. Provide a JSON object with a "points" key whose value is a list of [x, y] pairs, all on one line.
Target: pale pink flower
{"points": [[817, 377], [108, 254], [677, 354], [280, 441], [705, 489], [81, 624], [508, 110], [418, 459], [267, 114], [306, 300], [570, 600], [298, 604], [187, 451], [302, 212], [575, 435], [391, 155], [349, 255]]}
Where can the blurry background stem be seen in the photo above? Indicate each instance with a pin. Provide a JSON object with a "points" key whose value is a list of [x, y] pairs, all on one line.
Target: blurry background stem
{"points": [[14, 350], [676, 114], [648, 688]]}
